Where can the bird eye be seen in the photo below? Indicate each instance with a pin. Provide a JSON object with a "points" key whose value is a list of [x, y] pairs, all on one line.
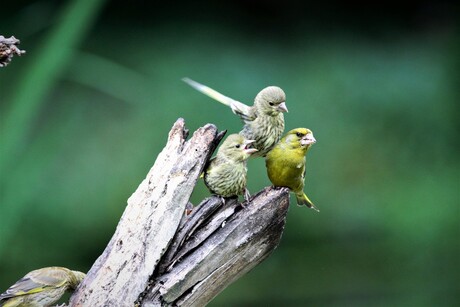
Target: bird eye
{"points": [[271, 103], [237, 146], [298, 134]]}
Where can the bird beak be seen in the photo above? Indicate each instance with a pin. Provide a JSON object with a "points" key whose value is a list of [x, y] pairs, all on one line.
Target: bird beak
{"points": [[308, 139], [249, 150], [282, 107]]}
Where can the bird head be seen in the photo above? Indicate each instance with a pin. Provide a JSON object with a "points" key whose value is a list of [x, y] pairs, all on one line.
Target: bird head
{"points": [[76, 279], [271, 101], [237, 148], [300, 138]]}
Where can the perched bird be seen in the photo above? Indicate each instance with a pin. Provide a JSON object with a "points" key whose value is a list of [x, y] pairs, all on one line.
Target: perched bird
{"points": [[226, 172], [263, 122], [42, 287], [286, 163]]}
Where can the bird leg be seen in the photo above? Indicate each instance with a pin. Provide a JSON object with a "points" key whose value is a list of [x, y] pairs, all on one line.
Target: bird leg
{"points": [[222, 199], [247, 195]]}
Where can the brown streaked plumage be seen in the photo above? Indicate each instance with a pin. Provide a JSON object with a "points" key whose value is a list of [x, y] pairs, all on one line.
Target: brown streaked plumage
{"points": [[226, 173], [42, 287], [263, 122]]}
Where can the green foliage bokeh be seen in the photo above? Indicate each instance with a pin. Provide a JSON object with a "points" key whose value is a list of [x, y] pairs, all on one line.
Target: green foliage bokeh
{"points": [[85, 112]]}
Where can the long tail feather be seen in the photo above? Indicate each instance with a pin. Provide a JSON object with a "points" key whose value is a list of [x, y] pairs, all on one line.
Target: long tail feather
{"points": [[302, 199], [209, 92], [237, 107]]}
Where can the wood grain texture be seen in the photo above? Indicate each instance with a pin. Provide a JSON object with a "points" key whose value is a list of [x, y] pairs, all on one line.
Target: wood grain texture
{"points": [[159, 256], [149, 221], [218, 245]]}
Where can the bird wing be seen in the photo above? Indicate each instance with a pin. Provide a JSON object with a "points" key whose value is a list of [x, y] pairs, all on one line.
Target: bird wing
{"points": [[36, 281], [52, 277], [304, 169], [207, 167], [22, 287], [245, 112]]}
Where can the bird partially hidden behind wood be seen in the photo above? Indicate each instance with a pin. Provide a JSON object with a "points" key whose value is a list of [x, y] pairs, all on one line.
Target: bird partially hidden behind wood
{"points": [[263, 122], [286, 163], [42, 287], [225, 174]]}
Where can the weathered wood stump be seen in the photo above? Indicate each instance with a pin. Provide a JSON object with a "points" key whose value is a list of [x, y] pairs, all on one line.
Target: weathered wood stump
{"points": [[160, 256]]}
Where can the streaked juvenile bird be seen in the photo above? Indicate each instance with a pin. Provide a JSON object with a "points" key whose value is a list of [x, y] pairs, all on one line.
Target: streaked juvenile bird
{"points": [[226, 172], [42, 287], [286, 163], [263, 122]]}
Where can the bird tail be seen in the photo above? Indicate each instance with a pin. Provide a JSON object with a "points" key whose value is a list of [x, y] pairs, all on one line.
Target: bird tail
{"points": [[237, 107], [209, 91], [302, 199]]}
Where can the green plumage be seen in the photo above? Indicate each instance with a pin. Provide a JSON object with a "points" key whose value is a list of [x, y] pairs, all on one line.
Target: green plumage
{"points": [[226, 173], [287, 160], [263, 122], [42, 287]]}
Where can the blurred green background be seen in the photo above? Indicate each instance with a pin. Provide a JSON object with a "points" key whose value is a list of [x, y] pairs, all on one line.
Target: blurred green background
{"points": [[85, 112]]}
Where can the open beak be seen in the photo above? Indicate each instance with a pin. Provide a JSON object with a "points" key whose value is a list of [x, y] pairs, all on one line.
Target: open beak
{"points": [[247, 147], [282, 107], [308, 139]]}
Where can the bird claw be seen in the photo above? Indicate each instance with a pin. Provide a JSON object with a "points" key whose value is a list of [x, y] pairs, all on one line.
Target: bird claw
{"points": [[247, 195], [221, 199]]}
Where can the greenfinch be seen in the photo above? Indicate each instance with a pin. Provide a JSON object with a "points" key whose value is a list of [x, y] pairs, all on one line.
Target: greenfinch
{"points": [[263, 122], [286, 163], [225, 174], [42, 287]]}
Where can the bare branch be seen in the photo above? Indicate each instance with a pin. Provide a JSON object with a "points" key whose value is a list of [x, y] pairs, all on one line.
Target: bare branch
{"points": [[8, 48], [159, 256]]}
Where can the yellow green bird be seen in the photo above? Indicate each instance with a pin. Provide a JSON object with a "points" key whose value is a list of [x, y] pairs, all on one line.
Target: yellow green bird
{"points": [[225, 174], [263, 122], [286, 163], [42, 287]]}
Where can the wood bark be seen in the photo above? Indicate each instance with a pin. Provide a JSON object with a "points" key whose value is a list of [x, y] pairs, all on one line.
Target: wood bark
{"points": [[8, 48], [160, 256]]}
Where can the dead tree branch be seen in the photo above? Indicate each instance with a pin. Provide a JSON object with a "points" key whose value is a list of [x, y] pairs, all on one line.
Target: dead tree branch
{"points": [[8, 48], [159, 256]]}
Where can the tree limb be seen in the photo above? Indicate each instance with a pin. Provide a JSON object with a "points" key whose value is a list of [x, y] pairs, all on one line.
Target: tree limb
{"points": [[220, 249], [160, 256], [8, 48]]}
